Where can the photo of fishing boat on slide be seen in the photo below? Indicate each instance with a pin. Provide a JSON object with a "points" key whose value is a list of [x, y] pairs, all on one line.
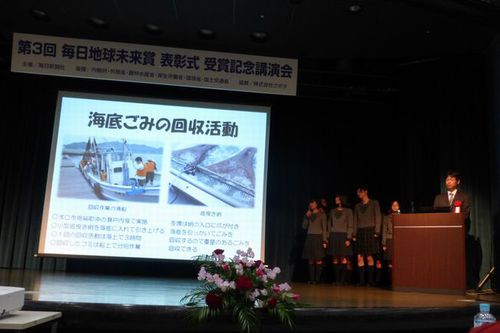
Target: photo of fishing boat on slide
{"points": [[212, 175], [111, 170]]}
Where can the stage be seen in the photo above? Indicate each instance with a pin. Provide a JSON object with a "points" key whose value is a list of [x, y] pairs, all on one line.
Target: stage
{"points": [[109, 303]]}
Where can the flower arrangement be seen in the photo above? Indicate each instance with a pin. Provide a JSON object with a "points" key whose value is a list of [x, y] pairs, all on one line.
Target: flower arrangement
{"points": [[242, 287]]}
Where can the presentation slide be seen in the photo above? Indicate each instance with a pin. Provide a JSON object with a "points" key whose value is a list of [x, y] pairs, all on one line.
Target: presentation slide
{"points": [[161, 179]]}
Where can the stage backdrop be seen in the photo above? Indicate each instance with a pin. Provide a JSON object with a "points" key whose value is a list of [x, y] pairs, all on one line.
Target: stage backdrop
{"points": [[399, 146]]}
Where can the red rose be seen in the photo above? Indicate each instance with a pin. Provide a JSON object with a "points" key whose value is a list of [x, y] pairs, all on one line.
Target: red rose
{"points": [[458, 203], [244, 283], [271, 302], [213, 301], [225, 267], [218, 251]]}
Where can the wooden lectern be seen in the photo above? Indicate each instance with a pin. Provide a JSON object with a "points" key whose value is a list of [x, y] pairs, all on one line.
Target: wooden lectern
{"points": [[429, 253]]}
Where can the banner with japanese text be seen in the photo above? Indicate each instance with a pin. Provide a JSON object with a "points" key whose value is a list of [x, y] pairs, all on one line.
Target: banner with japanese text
{"points": [[104, 60]]}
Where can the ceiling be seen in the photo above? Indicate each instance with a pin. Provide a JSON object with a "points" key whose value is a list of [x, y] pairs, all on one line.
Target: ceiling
{"points": [[327, 29], [325, 35]]}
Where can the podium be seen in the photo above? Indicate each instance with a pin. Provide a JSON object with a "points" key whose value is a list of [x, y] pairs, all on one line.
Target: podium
{"points": [[429, 253]]}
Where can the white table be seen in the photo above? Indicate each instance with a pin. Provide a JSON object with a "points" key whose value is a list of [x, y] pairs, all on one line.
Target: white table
{"points": [[20, 320]]}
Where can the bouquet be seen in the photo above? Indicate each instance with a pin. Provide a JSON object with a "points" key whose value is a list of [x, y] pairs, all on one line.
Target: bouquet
{"points": [[242, 287]]}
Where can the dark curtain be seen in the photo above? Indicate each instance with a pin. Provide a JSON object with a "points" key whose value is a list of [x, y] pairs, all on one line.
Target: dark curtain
{"points": [[318, 146], [448, 125], [315, 155], [27, 114]]}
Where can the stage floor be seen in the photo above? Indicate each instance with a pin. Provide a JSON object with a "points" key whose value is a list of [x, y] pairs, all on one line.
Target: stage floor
{"points": [[133, 290], [113, 303]]}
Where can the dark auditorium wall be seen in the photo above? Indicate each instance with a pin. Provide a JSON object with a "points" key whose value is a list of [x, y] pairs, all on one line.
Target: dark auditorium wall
{"points": [[319, 146]]}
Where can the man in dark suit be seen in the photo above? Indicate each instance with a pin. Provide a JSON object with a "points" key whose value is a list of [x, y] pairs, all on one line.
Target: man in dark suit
{"points": [[472, 245], [454, 195]]}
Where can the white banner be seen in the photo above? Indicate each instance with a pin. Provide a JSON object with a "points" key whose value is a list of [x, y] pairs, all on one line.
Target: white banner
{"points": [[49, 55]]}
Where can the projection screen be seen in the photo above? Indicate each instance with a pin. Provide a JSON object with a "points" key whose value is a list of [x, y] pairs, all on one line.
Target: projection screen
{"points": [[147, 178]]}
